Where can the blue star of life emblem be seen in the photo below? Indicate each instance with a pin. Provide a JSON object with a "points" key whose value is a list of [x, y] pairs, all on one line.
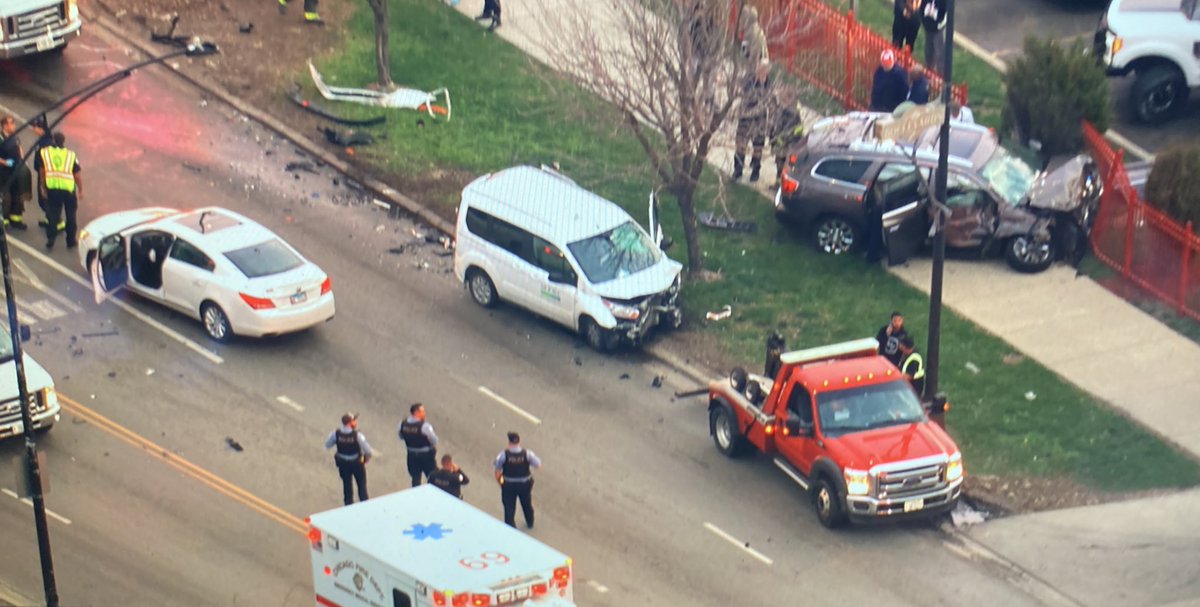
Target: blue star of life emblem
{"points": [[433, 531]]}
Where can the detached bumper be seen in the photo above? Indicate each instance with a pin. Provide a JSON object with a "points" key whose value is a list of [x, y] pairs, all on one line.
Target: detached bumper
{"points": [[925, 505]]}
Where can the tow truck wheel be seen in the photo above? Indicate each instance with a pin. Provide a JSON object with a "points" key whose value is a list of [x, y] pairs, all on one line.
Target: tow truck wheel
{"points": [[828, 504], [726, 437]]}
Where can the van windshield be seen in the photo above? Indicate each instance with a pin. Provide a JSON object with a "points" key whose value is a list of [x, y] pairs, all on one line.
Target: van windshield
{"points": [[621, 251]]}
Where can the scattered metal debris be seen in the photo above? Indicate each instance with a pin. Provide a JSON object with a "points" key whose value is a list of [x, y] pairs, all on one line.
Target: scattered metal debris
{"points": [[246, 27], [236, 446], [191, 167], [346, 138], [578, 362], [726, 223], [298, 98], [657, 382], [724, 313], [103, 333], [404, 98], [972, 367], [624, 376], [397, 250], [112, 374], [1012, 358], [307, 167]]}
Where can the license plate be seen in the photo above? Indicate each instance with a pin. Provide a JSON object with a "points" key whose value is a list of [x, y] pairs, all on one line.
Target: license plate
{"points": [[300, 298], [45, 44], [914, 505]]}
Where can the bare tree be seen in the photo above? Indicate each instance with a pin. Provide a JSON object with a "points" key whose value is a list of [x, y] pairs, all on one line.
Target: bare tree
{"points": [[383, 64], [672, 68]]}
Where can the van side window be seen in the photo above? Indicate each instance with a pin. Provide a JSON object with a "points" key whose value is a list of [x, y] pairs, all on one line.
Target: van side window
{"points": [[400, 599], [501, 233], [550, 259]]}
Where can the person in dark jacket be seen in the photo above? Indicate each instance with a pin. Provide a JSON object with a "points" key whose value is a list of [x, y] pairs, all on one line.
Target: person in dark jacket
{"points": [[787, 129], [889, 338], [449, 478], [933, 19], [752, 122], [918, 85], [889, 87], [906, 23]]}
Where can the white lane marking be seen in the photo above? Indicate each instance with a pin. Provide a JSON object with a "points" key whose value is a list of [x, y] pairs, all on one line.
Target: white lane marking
{"points": [[289, 402], [740, 544], [165, 330], [515, 409], [28, 502], [601, 588], [45, 310], [37, 283]]}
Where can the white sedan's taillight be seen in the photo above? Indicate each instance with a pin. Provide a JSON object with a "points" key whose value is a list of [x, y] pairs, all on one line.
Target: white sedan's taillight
{"points": [[327, 286], [258, 303]]}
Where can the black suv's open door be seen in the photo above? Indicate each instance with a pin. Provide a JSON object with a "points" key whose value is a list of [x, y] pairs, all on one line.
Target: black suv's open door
{"points": [[902, 195]]}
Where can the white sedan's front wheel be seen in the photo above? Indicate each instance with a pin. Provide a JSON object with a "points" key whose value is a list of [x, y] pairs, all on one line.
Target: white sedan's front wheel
{"points": [[216, 323]]}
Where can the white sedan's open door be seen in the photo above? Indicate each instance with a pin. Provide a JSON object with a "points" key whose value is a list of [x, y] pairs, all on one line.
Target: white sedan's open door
{"points": [[109, 268]]}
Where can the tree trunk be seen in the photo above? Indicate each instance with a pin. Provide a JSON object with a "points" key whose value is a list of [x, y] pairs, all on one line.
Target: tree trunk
{"points": [[685, 197], [382, 62]]}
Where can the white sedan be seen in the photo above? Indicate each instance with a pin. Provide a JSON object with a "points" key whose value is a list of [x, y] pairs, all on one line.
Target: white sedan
{"points": [[216, 266]]}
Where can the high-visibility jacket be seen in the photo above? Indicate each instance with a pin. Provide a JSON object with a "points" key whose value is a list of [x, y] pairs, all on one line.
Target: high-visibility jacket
{"points": [[59, 166], [913, 359]]}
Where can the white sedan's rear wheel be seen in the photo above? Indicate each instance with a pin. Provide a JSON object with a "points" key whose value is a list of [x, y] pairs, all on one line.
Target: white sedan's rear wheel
{"points": [[216, 323]]}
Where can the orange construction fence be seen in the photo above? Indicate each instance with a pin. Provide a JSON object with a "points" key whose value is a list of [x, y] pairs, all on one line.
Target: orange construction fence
{"points": [[1146, 246]]}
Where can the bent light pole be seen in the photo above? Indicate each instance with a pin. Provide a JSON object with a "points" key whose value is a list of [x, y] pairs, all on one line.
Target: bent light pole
{"points": [[34, 472]]}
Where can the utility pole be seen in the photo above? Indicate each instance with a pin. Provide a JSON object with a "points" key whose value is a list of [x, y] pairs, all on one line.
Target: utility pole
{"points": [[33, 469], [939, 220]]}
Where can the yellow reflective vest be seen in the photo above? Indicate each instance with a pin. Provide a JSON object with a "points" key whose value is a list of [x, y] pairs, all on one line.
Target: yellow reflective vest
{"points": [[59, 167], [913, 359]]}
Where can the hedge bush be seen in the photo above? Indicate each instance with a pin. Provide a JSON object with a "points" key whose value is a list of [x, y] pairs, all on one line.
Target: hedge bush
{"points": [[1174, 183], [1050, 88]]}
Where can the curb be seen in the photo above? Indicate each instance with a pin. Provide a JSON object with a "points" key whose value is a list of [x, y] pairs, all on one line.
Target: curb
{"points": [[9, 597], [375, 186], [969, 548]]}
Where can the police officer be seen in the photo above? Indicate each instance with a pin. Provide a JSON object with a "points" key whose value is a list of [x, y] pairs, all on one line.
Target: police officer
{"points": [[752, 122], [421, 442], [353, 453], [61, 188], [449, 478], [514, 473], [912, 365]]}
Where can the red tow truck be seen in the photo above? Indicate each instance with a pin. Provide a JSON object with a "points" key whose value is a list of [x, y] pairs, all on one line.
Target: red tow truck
{"points": [[846, 425]]}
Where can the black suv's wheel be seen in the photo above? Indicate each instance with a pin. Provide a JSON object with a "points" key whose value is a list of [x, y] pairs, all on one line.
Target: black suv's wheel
{"points": [[482, 289], [835, 235], [1158, 94], [1026, 254], [828, 504], [726, 434]]}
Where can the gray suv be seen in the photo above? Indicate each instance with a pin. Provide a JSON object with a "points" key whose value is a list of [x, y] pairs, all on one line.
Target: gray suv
{"points": [[995, 201]]}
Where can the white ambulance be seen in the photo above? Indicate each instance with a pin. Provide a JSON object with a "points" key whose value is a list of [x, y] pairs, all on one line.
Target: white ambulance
{"points": [[422, 547]]}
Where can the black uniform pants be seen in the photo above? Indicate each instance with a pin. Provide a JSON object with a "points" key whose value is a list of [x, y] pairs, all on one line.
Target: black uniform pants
{"points": [[904, 32], [57, 202], [491, 8], [753, 131], [352, 470], [18, 192], [510, 491], [421, 463]]}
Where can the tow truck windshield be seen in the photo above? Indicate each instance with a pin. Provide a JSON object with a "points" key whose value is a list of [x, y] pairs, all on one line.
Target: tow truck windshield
{"points": [[868, 407]]}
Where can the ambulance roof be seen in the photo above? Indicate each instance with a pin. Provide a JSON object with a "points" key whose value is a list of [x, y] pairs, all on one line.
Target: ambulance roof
{"points": [[429, 535]]}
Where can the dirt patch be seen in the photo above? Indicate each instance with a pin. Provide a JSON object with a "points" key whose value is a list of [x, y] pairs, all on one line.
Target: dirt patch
{"points": [[260, 65], [1018, 494]]}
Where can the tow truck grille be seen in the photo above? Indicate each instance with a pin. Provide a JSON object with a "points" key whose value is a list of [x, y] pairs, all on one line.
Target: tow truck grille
{"points": [[10, 410], [899, 484], [34, 23]]}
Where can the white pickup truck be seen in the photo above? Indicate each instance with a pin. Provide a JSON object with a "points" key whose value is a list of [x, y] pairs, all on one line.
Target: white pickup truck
{"points": [[1159, 41], [37, 26], [43, 400]]}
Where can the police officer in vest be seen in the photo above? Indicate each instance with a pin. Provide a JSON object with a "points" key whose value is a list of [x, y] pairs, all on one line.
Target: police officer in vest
{"points": [[61, 188], [514, 473], [421, 442], [449, 478], [912, 365], [353, 453]]}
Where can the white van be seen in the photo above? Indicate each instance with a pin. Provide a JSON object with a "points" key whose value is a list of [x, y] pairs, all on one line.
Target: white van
{"points": [[533, 237]]}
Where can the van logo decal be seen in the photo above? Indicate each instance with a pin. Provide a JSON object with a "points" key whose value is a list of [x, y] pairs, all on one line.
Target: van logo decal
{"points": [[432, 531], [549, 293]]}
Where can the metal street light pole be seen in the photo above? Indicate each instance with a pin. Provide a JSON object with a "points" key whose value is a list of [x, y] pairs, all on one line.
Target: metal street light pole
{"points": [[939, 221], [33, 468]]}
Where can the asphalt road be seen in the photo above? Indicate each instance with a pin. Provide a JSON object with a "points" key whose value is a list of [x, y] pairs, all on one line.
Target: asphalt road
{"points": [[1001, 28], [632, 487]]}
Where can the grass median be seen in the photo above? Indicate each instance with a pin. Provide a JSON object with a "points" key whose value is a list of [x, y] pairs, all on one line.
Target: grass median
{"points": [[510, 110]]}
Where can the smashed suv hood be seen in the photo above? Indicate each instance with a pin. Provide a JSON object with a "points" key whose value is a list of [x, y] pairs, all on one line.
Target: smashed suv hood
{"points": [[1064, 188]]}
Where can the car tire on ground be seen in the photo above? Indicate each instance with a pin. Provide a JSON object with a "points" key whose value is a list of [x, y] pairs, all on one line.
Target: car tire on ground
{"points": [[1158, 94], [598, 338], [216, 322], [725, 432], [1024, 254], [482, 289], [828, 504], [836, 235]]}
